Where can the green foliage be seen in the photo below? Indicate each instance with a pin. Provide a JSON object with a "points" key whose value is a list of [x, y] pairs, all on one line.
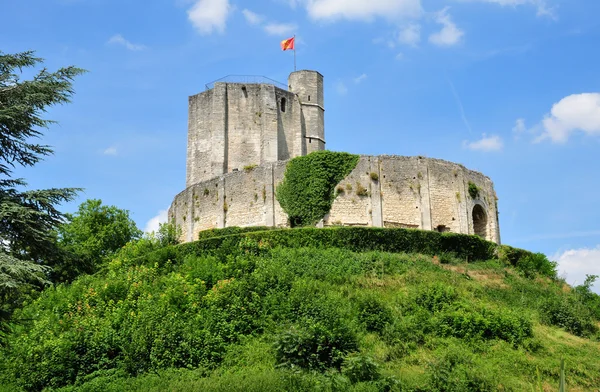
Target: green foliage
{"points": [[485, 323], [210, 233], [264, 311], [91, 236], [473, 190], [249, 168], [374, 313], [569, 313], [359, 368], [27, 217], [374, 176], [17, 277], [307, 191], [536, 263], [586, 296], [436, 297]]}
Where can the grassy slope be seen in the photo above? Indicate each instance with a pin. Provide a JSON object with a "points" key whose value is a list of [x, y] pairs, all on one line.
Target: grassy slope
{"points": [[294, 290]]}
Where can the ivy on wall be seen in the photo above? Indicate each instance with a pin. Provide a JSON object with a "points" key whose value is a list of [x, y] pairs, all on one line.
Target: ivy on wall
{"points": [[308, 188]]}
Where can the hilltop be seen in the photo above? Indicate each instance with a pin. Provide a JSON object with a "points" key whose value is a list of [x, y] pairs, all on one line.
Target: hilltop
{"points": [[337, 309]]}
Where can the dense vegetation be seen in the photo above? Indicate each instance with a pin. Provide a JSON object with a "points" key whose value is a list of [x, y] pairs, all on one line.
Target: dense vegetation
{"points": [[308, 188], [246, 314]]}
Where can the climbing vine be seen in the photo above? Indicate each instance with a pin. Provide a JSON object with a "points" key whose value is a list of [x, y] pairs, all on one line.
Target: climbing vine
{"points": [[308, 188]]}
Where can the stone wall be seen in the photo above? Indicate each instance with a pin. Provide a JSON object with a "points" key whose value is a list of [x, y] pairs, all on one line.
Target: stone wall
{"points": [[234, 125], [382, 191]]}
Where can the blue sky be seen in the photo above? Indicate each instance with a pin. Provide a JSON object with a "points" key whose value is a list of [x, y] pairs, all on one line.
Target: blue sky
{"points": [[507, 87]]}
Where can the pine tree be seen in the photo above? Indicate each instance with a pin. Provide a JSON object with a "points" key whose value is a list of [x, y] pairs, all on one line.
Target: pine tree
{"points": [[28, 218]]}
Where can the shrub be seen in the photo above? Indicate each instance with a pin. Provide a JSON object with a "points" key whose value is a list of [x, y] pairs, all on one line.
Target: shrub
{"points": [[473, 190], [249, 168], [485, 324], [374, 176], [570, 314], [358, 367], [536, 263], [211, 233], [373, 313], [314, 346], [436, 297], [307, 191]]}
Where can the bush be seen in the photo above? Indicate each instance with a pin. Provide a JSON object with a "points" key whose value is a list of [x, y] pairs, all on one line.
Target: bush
{"points": [[359, 368], [314, 346], [485, 324], [373, 313], [211, 233], [436, 297], [536, 263], [570, 314]]}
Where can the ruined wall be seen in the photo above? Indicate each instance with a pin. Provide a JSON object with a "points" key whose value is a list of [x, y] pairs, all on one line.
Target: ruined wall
{"points": [[384, 191]]}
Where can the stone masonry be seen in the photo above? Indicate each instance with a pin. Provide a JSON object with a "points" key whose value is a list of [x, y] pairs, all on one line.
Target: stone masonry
{"points": [[240, 137]]}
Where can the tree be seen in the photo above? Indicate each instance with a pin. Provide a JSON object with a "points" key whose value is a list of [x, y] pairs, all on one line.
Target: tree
{"points": [[90, 237], [27, 217]]}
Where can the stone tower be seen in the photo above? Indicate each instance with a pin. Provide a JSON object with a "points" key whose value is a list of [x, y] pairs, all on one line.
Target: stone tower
{"points": [[308, 87], [235, 125]]}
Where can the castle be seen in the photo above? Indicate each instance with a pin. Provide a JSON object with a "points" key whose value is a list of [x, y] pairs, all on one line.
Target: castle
{"points": [[241, 135]]}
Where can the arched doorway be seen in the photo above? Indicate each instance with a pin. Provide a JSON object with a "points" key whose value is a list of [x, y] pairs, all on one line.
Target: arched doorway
{"points": [[479, 221]]}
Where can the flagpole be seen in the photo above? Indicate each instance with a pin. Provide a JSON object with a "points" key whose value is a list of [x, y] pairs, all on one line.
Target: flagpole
{"points": [[294, 52]]}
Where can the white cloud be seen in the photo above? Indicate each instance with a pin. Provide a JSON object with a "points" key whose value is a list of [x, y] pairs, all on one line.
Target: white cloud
{"points": [[341, 88], [360, 78], [153, 224], [486, 143], [362, 9], [208, 16], [400, 56], [252, 18], [280, 28], [575, 264], [112, 150], [519, 126], [118, 39], [410, 35], [450, 34], [543, 9], [577, 112]]}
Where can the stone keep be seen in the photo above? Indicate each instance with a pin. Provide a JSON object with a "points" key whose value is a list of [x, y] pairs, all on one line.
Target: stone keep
{"points": [[237, 125], [241, 136]]}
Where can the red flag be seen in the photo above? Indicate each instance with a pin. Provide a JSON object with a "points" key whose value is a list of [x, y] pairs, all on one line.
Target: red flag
{"points": [[288, 44]]}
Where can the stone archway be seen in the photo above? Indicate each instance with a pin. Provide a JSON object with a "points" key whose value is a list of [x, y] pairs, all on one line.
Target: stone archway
{"points": [[479, 221]]}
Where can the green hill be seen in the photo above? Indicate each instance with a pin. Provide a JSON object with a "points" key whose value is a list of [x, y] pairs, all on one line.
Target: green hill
{"points": [[343, 309]]}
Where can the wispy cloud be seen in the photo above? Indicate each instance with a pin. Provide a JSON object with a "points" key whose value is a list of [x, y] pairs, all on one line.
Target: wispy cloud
{"points": [[252, 17], [410, 35], [112, 150], [485, 144], [542, 6], [362, 9], [118, 39], [461, 108], [280, 28], [341, 88], [360, 79], [209, 16], [450, 34]]}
